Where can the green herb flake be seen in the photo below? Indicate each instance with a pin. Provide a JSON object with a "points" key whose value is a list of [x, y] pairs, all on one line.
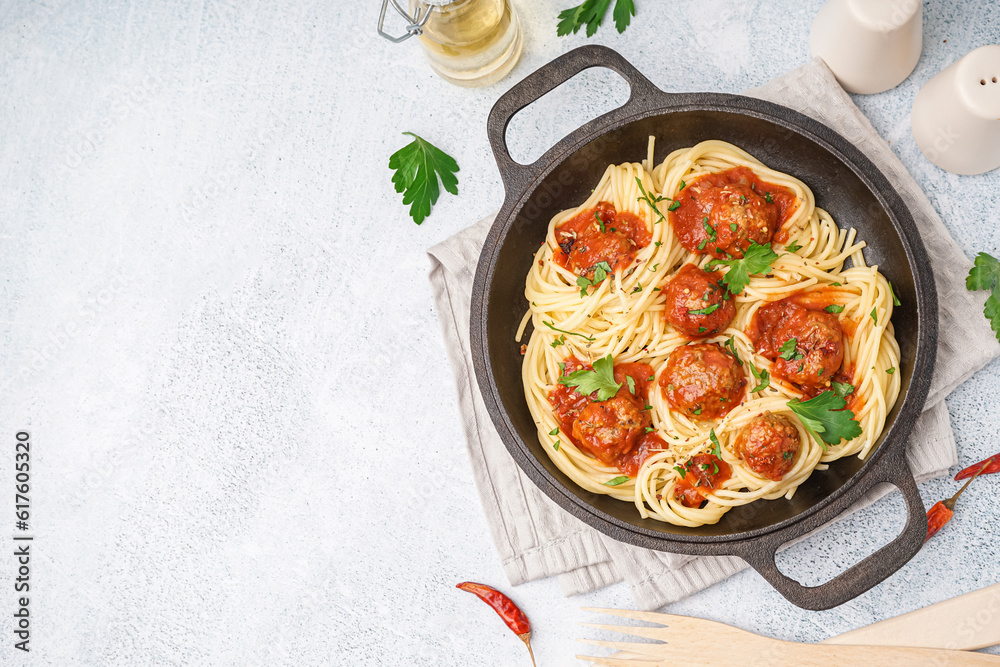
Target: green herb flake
{"points": [[731, 346], [842, 389], [788, 351], [793, 247], [762, 376], [834, 308], [716, 447], [683, 185], [646, 197], [568, 333], [616, 481], [696, 411], [674, 205], [768, 198], [890, 371], [892, 292], [786, 455], [701, 246], [874, 316], [561, 340], [733, 227], [631, 384], [709, 229], [680, 471], [556, 445], [600, 222], [649, 429], [707, 310]]}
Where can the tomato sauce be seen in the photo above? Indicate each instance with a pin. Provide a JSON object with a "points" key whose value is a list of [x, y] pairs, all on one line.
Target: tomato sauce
{"points": [[625, 446], [703, 474], [601, 234], [719, 214]]}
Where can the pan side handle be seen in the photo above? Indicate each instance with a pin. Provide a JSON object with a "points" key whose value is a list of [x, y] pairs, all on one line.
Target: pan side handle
{"points": [[544, 80], [862, 576]]}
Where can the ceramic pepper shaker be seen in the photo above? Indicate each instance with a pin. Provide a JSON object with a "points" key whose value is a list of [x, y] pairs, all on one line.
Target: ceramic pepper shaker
{"points": [[870, 45], [956, 115]]}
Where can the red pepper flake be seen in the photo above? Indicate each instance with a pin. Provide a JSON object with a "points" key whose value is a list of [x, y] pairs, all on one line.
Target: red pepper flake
{"points": [[992, 465], [541, 262], [524, 349], [505, 608], [943, 510]]}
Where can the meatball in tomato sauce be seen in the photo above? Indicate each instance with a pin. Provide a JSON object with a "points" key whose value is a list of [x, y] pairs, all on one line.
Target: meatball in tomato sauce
{"points": [[703, 474], [768, 445], [600, 234], [698, 304], [702, 381], [806, 346]]}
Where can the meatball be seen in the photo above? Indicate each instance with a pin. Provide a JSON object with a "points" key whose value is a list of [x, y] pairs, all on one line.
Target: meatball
{"points": [[702, 381], [740, 215], [698, 305], [818, 348], [768, 445], [608, 429], [703, 474]]}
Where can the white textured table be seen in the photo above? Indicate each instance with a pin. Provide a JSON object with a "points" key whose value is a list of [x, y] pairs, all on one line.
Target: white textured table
{"points": [[218, 329]]}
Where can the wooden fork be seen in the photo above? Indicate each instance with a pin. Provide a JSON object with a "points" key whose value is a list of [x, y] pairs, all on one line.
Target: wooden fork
{"points": [[696, 641]]}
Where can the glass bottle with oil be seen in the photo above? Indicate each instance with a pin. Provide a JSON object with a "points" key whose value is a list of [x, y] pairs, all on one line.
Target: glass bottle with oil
{"points": [[467, 42]]}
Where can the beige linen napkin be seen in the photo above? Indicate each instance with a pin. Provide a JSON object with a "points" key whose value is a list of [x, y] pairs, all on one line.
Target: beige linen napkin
{"points": [[535, 538]]}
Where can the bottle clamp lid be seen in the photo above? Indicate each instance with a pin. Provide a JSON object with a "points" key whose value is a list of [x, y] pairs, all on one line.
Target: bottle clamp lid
{"points": [[415, 24]]}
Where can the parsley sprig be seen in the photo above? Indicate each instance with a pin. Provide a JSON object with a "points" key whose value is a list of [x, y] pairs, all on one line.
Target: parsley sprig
{"points": [[601, 271], [985, 275], [601, 379], [825, 417], [756, 260], [418, 166], [650, 200], [591, 13]]}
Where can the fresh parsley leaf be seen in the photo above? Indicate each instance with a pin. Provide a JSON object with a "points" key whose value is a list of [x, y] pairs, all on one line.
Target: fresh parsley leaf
{"points": [[834, 308], [624, 11], [716, 447], [616, 481], [561, 340], [825, 417], [649, 429], [709, 229], [757, 259], [708, 310], [768, 198], [600, 222], [568, 333], [650, 201], [683, 185], [985, 275], [701, 246], [793, 247], [874, 316], [631, 384], [702, 329], [680, 471], [788, 351], [892, 292], [762, 376], [731, 345], [601, 379], [554, 431], [674, 205], [418, 166], [786, 455], [696, 411], [890, 371], [556, 445], [842, 389], [591, 13], [733, 227], [835, 285]]}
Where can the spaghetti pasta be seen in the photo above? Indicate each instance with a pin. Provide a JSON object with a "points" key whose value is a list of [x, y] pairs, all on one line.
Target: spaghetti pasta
{"points": [[617, 308]]}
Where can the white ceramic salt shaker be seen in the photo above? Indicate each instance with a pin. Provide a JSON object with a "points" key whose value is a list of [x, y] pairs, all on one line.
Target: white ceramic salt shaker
{"points": [[956, 115], [869, 45]]}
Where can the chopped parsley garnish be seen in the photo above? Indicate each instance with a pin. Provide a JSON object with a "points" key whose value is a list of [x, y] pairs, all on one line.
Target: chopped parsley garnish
{"points": [[835, 285], [674, 205], [601, 379], [985, 275], [418, 166], [762, 376], [788, 351], [601, 271], [568, 333], [554, 431], [793, 247], [708, 310], [649, 429], [890, 371], [709, 229], [680, 471], [834, 308], [768, 198], [892, 292], [874, 316], [657, 243], [638, 288], [556, 445], [842, 389], [825, 417], [616, 481], [631, 384], [701, 329], [648, 407], [756, 260], [716, 447], [701, 246], [696, 411], [683, 185], [733, 226], [646, 197], [731, 346], [561, 340], [600, 222], [786, 455]]}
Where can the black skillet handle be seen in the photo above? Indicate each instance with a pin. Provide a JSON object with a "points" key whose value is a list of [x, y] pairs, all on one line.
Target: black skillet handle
{"points": [[542, 81], [864, 575]]}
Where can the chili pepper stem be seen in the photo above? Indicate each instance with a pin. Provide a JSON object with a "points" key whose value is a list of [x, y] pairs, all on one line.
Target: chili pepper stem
{"points": [[950, 503], [526, 638]]}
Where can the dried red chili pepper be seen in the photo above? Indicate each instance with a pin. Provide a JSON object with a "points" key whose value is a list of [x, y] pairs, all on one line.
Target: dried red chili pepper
{"points": [[992, 465], [943, 510], [505, 607]]}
